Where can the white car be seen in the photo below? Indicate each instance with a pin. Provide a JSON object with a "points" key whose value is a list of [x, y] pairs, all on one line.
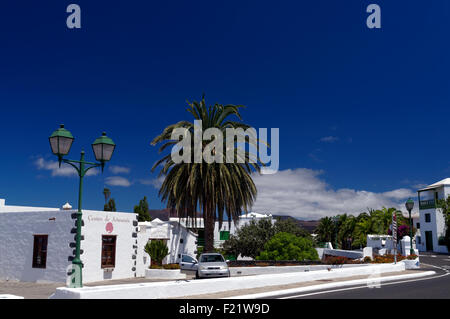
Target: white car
{"points": [[210, 265]]}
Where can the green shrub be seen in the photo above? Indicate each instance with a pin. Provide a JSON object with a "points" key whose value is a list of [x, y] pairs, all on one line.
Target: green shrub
{"points": [[285, 246], [157, 249]]}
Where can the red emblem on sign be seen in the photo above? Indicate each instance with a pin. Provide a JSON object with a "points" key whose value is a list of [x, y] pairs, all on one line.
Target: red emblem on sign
{"points": [[109, 227]]}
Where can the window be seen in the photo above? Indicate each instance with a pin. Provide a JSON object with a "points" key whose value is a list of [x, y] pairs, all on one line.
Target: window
{"points": [[224, 235], [108, 251], [212, 258], [40, 251], [187, 259], [427, 218], [418, 225]]}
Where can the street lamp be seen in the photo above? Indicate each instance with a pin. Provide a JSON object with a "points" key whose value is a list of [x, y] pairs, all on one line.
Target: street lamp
{"points": [[409, 206], [60, 142]]}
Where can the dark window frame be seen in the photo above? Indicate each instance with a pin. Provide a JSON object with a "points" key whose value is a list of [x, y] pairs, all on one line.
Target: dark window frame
{"points": [[108, 253], [40, 248], [428, 218]]}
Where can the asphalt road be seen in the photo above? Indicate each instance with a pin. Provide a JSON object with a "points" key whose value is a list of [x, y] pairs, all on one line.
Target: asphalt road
{"points": [[432, 287]]}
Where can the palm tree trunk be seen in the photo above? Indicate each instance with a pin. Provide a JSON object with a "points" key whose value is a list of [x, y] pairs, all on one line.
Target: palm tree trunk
{"points": [[209, 233]]}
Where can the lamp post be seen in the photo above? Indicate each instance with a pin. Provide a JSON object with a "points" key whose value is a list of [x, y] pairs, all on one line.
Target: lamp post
{"points": [[60, 142], [409, 206]]}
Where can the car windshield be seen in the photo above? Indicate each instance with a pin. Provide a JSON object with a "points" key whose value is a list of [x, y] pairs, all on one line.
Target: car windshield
{"points": [[187, 259], [211, 259]]}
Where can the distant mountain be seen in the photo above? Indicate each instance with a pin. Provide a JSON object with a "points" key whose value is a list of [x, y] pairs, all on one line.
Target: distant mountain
{"points": [[308, 225], [162, 214]]}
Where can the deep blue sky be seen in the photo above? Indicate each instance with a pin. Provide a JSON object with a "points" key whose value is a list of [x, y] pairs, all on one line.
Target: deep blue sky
{"points": [[311, 68]]}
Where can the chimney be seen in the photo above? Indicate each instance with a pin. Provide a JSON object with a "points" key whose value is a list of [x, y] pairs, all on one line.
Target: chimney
{"points": [[66, 206]]}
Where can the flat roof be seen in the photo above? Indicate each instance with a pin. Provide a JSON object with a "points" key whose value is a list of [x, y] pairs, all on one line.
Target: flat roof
{"points": [[441, 183]]}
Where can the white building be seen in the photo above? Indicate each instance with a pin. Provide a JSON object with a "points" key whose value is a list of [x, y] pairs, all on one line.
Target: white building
{"points": [[431, 220], [38, 244], [179, 239], [380, 242], [223, 233]]}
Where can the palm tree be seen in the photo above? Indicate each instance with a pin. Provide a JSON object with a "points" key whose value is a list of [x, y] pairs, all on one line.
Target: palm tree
{"points": [[386, 217], [377, 221], [213, 188], [325, 230], [346, 229], [362, 229], [106, 193]]}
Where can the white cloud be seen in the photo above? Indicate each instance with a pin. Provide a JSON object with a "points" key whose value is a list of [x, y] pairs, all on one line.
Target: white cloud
{"points": [[303, 194], [119, 169], [329, 139], [117, 181], [155, 182], [65, 170]]}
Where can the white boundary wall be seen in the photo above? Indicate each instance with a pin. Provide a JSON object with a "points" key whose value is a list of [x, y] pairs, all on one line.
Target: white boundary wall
{"points": [[250, 271], [173, 289]]}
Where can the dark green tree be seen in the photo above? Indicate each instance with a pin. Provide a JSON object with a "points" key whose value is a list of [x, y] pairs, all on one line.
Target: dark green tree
{"points": [[347, 224], [289, 225], [325, 230], [106, 194], [285, 246], [142, 210], [249, 240], [444, 205], [110, 206]]}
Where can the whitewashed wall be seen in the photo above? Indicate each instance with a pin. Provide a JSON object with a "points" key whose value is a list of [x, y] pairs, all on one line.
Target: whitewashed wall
{"points": [[176, 248], [175, 234], [437, 223], [16, 245], [95, 223], [436, 226]]}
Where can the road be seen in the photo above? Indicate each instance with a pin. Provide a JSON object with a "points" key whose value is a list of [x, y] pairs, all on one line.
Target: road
{"points": [[432, 287]]}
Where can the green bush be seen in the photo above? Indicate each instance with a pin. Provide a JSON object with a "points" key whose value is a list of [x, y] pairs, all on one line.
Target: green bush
{"points": [[285, 246], [157, 249]]}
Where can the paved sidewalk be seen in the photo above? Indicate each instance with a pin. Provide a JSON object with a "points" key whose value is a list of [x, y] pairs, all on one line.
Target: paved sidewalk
{"points": [[32, 290], [242, 292]]}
